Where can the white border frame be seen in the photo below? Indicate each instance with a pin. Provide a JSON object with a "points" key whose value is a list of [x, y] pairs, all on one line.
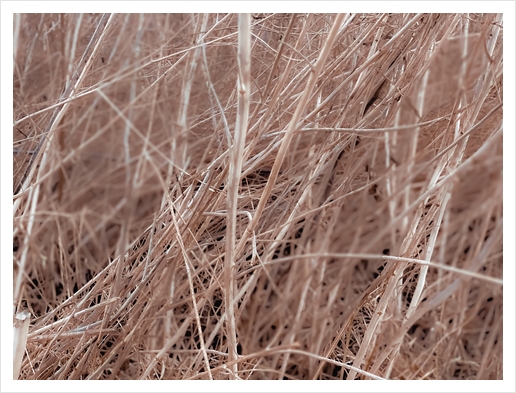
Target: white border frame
{"points": [[8, 8]]}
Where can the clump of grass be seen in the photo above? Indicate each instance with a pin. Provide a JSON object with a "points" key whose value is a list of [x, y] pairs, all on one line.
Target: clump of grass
{"points": [[280, 196]]}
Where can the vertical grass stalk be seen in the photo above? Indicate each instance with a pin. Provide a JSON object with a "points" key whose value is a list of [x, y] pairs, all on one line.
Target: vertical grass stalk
{"points": [[235, 168], [21, 329]]}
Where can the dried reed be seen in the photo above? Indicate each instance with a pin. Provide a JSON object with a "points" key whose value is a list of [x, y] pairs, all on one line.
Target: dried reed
{"points": [[265, 196]]}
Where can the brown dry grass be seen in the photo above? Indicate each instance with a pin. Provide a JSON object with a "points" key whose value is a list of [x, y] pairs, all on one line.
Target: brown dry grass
{"points": [[179, 214]]}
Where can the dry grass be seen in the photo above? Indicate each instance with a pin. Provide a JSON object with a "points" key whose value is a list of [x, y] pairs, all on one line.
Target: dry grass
{"points": [[330, 210]]}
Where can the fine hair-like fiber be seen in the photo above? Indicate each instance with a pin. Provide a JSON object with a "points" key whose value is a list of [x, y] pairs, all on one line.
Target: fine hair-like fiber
{"points": [[260, 196]]}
